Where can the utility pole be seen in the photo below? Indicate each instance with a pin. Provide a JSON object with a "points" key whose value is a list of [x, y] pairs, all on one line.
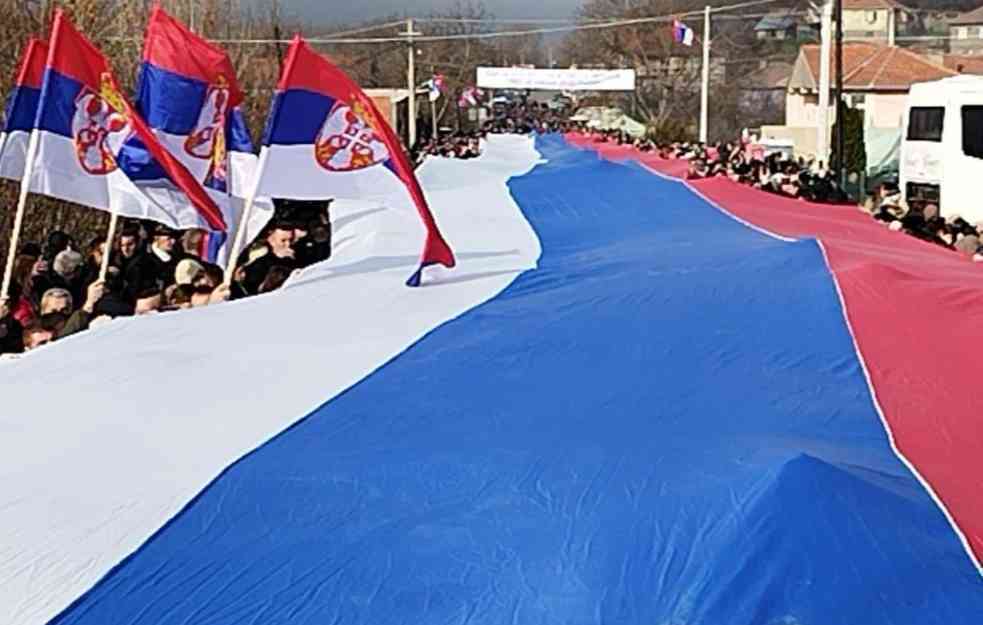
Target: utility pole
{"points": [[825, 61], [705, 88], [839, 92], [411, 82], [191, 15]]}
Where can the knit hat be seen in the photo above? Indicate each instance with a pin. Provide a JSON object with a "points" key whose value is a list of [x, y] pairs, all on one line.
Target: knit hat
{"points": [[67, 262], [187, 271]]}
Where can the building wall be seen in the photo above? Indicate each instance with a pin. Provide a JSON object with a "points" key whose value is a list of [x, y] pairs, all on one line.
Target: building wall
{"points": [[882, 111], [385, 106], [865, 24], [801, 109], [966, 39], [885, 110]]}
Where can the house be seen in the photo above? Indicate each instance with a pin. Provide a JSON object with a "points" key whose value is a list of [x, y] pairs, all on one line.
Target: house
{"points": [[876, 79], [761, 96], [784, 25], [966, 33], [874, 20]]}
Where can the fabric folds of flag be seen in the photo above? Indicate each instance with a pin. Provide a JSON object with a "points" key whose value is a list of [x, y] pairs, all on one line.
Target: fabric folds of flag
{"points": [[22, 108], [82, 123], [188, 93], [681, 33], [325, 138], [470, 97]]}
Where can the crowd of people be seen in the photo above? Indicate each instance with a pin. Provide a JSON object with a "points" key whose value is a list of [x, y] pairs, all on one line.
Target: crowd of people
{"points": [[925, 222], [463, 145], [512, 118], [56, 290], [800, 179], [774, 173]]}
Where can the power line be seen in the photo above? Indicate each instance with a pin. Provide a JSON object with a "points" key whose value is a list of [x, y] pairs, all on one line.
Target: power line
{"points": [[573, 27], [365, 29]]}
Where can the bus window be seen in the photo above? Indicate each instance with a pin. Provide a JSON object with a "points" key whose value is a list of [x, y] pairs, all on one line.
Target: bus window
{"points": [[973, 131], [925, 123]]}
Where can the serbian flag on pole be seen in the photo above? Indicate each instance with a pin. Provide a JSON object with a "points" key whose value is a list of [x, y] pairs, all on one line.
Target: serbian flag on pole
{"points": [[435, 87], [325, 138], [82, 123], [471, 96], [22, 108], [188, 94], [681, 33]]}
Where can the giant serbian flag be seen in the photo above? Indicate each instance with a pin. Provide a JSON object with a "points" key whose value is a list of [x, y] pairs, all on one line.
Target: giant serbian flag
{"points": [[83, 121], [188, 94], [325, 138], [22, 108]]}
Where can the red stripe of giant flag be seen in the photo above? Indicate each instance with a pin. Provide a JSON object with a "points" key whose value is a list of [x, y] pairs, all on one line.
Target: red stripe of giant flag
{"points": [[72, 55], [308, 70]]}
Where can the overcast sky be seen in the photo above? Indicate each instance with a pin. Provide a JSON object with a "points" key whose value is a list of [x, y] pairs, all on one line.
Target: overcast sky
{"points": [[345, 11]]}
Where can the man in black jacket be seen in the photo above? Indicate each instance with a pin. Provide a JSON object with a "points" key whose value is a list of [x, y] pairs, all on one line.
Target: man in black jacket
{"points": [[154, 268]]}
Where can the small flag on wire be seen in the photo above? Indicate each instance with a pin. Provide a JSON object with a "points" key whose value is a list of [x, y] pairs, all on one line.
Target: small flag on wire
{"points": [[681, 33]]}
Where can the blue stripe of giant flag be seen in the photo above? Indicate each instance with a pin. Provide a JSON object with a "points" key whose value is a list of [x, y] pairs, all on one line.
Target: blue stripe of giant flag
{"points": [[665, 423]]}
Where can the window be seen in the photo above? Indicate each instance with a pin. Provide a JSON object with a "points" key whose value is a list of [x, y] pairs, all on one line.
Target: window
{"points": [[979, 32], [962, 32], [925, 123], [856, 100], [973, 131]]}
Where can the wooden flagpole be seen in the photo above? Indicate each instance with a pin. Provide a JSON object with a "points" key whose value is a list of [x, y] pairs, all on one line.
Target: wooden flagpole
{"points": [[32, 148]]}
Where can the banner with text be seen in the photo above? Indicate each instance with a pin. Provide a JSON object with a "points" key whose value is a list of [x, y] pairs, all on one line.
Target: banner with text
{"points": [[556, 79]]}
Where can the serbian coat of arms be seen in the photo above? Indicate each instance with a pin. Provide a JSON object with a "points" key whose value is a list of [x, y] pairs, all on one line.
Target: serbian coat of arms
{"points": [[347, 142], [207, 140], [99, 116]]}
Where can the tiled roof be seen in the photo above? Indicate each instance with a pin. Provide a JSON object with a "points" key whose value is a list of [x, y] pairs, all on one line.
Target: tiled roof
{"points": [[776, 21], [772, 76], [964, 64], [870, 67], [970, 17], [870, 5]]}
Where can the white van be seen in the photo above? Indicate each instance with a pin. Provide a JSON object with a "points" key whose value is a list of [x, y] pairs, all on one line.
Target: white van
{"points": [[942, 150]]}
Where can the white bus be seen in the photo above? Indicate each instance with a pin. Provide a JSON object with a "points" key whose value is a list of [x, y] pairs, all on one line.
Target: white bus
{"points": [[942, 151]]}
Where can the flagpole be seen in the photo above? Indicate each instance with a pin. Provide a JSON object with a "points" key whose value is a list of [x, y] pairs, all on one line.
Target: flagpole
{"points": [[433, 116], [705, 88], [822, 128], [411, 83], [32, 148], [240, 237], [104, 265]]}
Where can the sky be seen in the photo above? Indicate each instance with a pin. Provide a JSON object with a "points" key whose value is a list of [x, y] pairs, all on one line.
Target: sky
{"points": [[341, 11]]}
